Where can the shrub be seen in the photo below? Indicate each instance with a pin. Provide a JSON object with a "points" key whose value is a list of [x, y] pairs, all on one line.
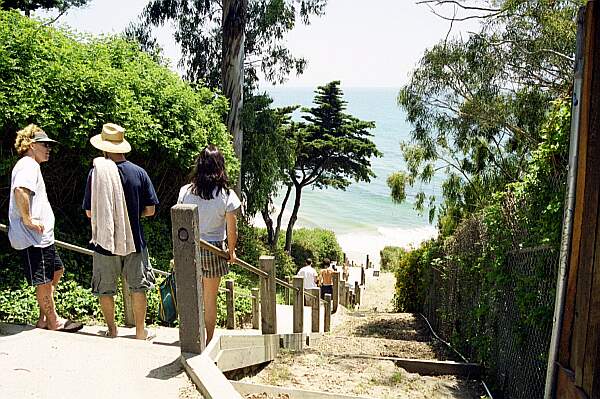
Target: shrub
{"points": [[316, 244], [390, 257]]}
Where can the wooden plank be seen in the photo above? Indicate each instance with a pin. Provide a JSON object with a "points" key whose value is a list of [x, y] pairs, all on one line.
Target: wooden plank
{"points": [[207, 377], [184, 221], [294, 342], [298, 311], [343, 292], [246, 388], [591, 370], [230, 304], [268, 298], [566, 388], [241, 341], [233, 359], [327, 314], [127, 303], [255, 308], [336, 291], [315, 313], [590, 213]]}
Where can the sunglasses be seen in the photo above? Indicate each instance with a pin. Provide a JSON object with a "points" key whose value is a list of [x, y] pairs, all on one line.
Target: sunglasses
{"points": [[47, 145]]}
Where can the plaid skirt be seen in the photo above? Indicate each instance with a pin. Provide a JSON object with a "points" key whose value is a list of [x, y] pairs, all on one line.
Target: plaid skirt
{"points": [[212, 265]]}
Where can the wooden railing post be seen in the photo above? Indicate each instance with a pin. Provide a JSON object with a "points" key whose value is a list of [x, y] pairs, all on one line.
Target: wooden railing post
{"points": [[327, 320], [336, 291], [255, 316], [356, 293], [288, 292], [230, 302], [343, 292], [367, 264], [298, 304], [268, 298], [127, 305], [316, 309], [363, 276], [184, 220]]}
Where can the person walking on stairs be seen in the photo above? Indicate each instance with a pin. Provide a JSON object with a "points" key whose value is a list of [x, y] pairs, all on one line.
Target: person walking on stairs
{"points": [[31, 226], [326, 278], [217, 220], [118, 193], [309, 275]]}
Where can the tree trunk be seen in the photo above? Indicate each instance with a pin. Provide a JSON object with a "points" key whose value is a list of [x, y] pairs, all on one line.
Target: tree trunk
{"points": [[280, 216], [269, 223], [293, 218], [232, 70]]}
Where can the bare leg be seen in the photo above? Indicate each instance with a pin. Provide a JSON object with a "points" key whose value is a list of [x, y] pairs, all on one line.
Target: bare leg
{"points": [[42, 321], [210, 290], [139, 304], [43, 294], [107, 304]]}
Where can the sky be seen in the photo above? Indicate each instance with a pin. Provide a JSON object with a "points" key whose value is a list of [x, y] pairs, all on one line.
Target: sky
{"points": [[363, 43]]}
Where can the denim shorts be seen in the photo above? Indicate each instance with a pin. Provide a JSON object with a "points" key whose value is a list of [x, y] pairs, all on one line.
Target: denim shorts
{"points": [[135, 267]]}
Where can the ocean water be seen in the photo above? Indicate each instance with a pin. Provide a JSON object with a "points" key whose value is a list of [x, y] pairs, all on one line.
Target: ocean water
{"points": [[363, 216]]}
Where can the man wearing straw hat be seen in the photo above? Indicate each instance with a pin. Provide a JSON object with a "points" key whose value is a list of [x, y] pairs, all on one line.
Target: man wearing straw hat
{"points": [[118, 193]]}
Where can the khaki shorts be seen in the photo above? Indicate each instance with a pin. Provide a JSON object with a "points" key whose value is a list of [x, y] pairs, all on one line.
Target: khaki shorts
{"points": [[135, 267]]}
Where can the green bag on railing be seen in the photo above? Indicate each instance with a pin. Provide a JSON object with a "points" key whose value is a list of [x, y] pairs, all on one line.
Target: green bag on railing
{"points": [[167, 311]]}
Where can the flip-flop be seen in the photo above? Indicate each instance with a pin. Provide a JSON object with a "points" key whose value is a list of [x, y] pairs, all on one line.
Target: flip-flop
{"points": [[71, 326], [150, 335]]}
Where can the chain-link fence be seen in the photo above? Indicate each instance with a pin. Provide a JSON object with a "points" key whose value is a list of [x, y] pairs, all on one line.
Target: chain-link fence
{"points": [[504, 322]]}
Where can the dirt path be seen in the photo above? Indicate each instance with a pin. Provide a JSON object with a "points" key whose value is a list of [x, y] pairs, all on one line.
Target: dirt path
{"points": [[331, 364]]}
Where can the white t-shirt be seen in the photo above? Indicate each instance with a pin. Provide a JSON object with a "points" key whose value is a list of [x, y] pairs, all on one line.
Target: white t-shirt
{"points": [[309, 274], [211, 213], [27, 174]]}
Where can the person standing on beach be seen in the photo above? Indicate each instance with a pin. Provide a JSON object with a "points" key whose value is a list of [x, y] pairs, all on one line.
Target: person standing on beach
{"points": [[326, 278], [31, 226], [218, 206], [118, 193]]}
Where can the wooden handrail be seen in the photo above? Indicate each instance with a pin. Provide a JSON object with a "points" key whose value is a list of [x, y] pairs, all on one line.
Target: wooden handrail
{"points": [[78, 249]]}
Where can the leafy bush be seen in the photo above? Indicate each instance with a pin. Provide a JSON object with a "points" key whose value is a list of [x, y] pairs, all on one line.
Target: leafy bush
{"points": [[70, 85], [412, 275], [316, 244], [390, 257]]}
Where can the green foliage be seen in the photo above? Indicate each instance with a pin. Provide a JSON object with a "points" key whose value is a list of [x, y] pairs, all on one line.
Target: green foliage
{"points": [[31, 5], [331, 148], [70, 85], [390, 257], [199, 33], [316, 244], [473, 262], [412, 274], [478, 104], [267, 153]]}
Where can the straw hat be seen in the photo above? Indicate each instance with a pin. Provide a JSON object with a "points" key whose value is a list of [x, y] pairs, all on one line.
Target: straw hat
{"points": [[112, 139]]}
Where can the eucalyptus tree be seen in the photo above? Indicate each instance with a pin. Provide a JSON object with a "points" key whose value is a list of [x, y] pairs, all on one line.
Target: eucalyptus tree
{"points": [[477, 104], [331, 148], [28, 6], [225, 44]]}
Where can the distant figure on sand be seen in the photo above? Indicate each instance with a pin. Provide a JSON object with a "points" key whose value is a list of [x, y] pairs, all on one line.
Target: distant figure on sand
{"points": [[31, 226], [217, 213], [118, 193], [345, 271], [326, 278]]}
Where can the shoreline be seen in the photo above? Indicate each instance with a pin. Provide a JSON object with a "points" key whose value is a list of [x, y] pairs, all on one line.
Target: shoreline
{"points": [[360, 242]]}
